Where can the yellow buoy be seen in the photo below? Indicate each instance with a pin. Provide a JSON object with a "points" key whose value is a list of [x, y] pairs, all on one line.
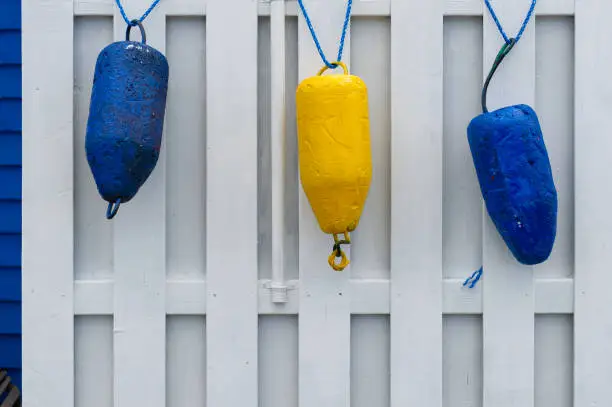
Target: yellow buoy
{"points": [[335, 158]]}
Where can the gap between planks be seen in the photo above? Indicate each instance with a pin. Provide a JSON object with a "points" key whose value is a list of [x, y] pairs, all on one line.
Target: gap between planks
{"points": [[552, 296], [371, 8]]}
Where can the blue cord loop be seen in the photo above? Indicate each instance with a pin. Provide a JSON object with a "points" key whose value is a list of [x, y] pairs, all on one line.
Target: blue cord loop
{"points": [[134, 23], [473, 279], [498, 24], [347, 19], [112, 209]]}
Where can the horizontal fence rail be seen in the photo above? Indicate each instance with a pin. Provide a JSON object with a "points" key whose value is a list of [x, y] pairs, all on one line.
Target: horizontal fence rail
{"points": [[370, 8], [368, 297]]}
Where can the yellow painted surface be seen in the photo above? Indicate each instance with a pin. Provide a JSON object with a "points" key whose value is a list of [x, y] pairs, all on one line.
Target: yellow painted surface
{"points": [[334, 148]]}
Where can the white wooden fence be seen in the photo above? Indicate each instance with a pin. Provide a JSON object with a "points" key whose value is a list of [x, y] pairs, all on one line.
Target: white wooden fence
{"points": [[170, 304]]}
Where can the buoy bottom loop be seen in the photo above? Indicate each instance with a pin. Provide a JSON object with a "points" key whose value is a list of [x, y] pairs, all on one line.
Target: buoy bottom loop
{"points": [[338, 253], [112, 209]]}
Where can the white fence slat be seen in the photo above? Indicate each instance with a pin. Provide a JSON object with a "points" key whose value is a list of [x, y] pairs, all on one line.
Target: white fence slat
{"points": [[139, 291], [593, 225], [416, 206], [555, 105], [186, 361], [93, 233], [231, 244], [48, 208], [554, 363], [186, 151], [278, 367], [371, 61], [324, 321], [462, 202], [370, 361], [462, 361], [93, 361], [140, 265], [508, 288]]}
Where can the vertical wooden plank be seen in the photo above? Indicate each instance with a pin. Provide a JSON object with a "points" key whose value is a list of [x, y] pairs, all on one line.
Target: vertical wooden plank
{"points": [[508, 304], [231, 44], [416, 205], [278, 361], [140, 264], [93, 234], [186, 148], [324, 323], [371, 40], [555, 104], [370, 361], [462, 360], [593, 224], [462, 225], [554, 370], [93, 361], [186, 361], [48, 209]]}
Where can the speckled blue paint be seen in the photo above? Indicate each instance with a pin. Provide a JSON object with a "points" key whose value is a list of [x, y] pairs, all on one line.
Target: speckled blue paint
{"points": [[516, 180], [126, 117]]}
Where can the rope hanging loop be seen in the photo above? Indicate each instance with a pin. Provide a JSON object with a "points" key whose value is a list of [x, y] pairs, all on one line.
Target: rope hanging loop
{"points": [[347, 19], [141, 19]]}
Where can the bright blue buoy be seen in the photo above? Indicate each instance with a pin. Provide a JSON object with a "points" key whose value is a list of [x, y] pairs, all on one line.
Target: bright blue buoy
{"points": [[516, 180], [126, 118], [514, 174]]}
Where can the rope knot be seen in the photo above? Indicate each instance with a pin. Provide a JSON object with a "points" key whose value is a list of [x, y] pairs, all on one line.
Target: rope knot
{"points": [[336, 249]]}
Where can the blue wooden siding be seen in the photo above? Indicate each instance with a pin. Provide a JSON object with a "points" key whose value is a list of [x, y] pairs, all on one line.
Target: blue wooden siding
{"points": [[10, 187]]}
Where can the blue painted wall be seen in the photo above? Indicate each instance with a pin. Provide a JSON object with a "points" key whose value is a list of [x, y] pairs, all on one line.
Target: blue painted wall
{"points": [[10, 187]]}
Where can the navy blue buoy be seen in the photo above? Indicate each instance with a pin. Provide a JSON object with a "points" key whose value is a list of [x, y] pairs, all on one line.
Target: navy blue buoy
{"points": [[126, 118], [515, 176]]}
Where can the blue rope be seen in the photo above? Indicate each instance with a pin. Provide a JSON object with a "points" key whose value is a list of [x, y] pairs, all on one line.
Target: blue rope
{"points": [[347, 18], [473, 278], [141, 19], [498, 24]]}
